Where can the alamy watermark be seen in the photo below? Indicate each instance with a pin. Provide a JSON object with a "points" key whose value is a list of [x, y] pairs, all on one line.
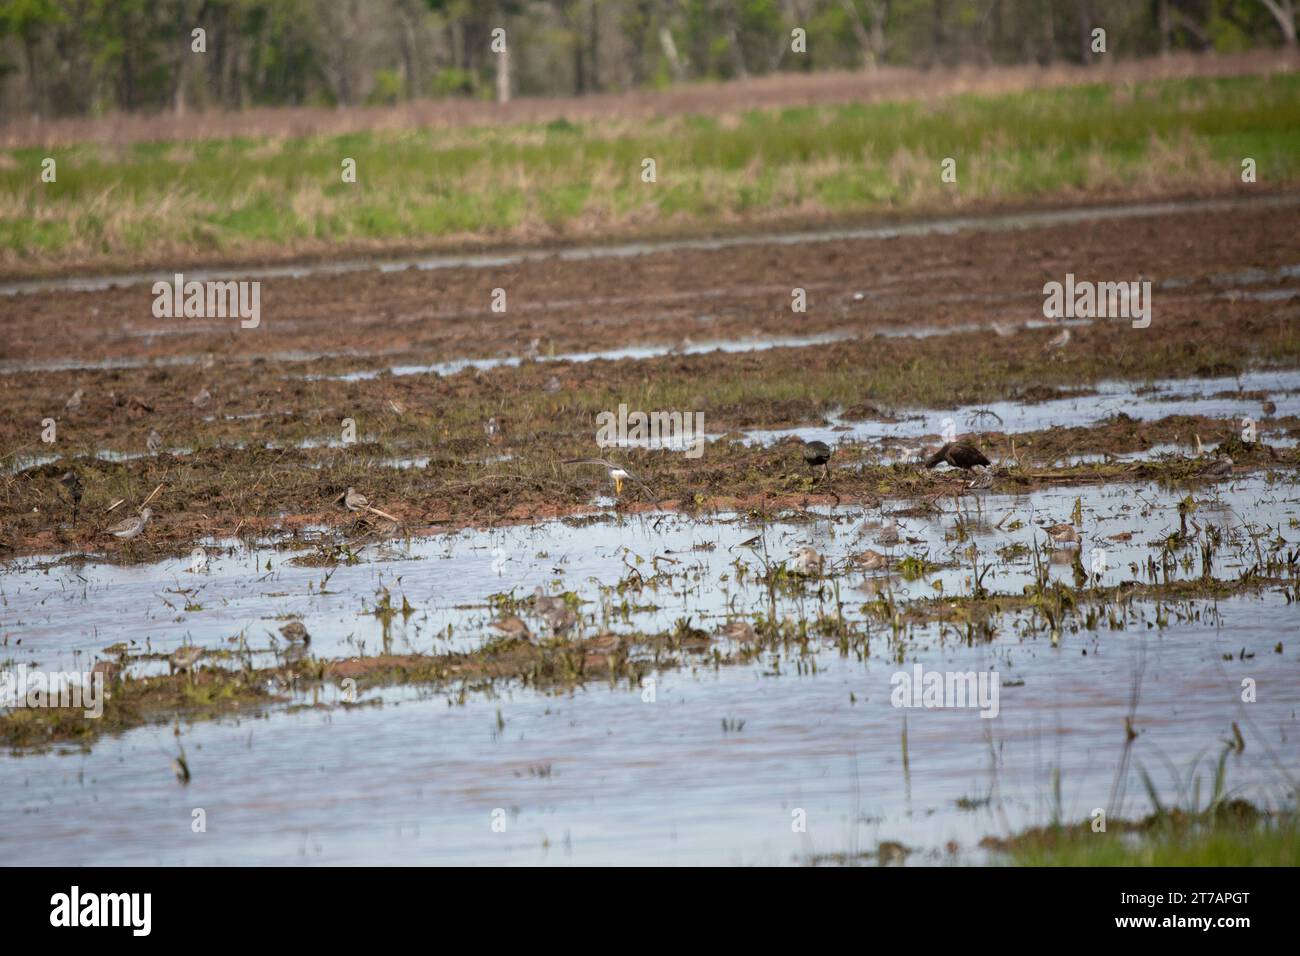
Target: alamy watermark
{"points": [[34, 688], [945, 689], [208, 300], [1098, 300], [675, 430]]}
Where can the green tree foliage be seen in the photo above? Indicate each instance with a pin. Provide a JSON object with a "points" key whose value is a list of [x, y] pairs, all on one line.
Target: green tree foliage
{"points": [[88, 57]]}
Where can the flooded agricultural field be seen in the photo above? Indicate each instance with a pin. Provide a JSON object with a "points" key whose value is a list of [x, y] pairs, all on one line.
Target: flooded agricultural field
{"points": [[649, 568]]}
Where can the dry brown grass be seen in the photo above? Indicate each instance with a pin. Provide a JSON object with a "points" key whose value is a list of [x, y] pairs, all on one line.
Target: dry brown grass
{"points": [[781, 90]]}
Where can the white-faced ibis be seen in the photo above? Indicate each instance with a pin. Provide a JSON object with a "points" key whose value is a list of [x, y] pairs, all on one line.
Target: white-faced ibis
{"points": [[959, 454]]}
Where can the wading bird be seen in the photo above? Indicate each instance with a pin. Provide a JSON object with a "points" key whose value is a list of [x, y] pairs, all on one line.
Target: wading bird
{"points": [[959, 454], [154, 442], [616, 472], [131, 527], [1062, 533], [72, 482], [554, 611], [870, 560], [817, 453], [983, 479], [354, 500], [807, 561], [184, 658], [295, 632], [512, 627], [1219, 468]]}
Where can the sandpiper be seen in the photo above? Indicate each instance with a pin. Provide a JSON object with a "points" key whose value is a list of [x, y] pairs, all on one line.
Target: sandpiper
{"points": [[490, 427], [554, 611], [888, 534], [512, 627], [870, 560], [1060, 340], [295, 632], [72, 482], [617, 472], [1219, 468], [983, 479], [153, 442], [1063, 533], [739, 630], [73, 404], [184, 658], [807, 561], [202, 398], [959, 454], [131, 527], [354, 500]]}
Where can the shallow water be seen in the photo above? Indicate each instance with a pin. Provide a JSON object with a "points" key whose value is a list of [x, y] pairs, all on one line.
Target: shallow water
{"points": [[606, 776], [67, 612]]}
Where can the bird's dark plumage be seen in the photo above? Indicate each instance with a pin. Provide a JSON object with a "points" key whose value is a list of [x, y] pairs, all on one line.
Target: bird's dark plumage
{"points": [[816, 453], [959, 454], [72, 482]]}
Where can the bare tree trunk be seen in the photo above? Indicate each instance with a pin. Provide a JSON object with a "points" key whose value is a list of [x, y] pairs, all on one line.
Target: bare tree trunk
{"points": [[670, 52], [503, 76], [1284, 13], [733, 35]]}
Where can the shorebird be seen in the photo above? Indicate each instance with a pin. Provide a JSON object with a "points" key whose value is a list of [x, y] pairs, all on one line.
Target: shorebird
{"points": [[184, 658], [354, 500], [73, 404], [617, 472], [295, 632], [870, 560], [153, 442], [202, 399], [739, 630], [1219, 468], [959, 454], [72, 482], [807, 561], [1060, 340], [490, 427], [512, 627], [888, 534], [131, 527], [553, 610], [983, 479], [552, 385], [1063, 533]]}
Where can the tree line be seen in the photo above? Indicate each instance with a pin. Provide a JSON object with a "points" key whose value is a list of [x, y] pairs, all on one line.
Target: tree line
{"points": [[94, 57]]}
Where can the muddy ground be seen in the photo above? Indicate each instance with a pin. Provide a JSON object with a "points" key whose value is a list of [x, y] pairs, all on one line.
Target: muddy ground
{"points": [[251, 419]]}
